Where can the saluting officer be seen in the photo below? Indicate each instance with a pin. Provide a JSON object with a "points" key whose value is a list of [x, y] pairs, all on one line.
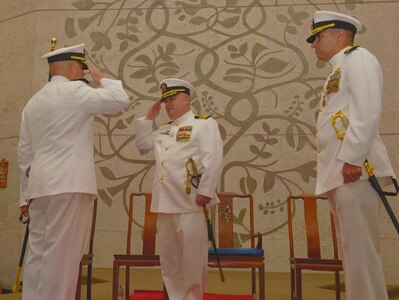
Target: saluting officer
{"points": [[353, 87], [182, 230], [55, 154]]}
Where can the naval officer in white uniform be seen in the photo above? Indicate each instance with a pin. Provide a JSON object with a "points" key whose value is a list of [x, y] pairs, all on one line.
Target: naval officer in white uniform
{"points": [[353, 87], [182, 230], [55, 154]]}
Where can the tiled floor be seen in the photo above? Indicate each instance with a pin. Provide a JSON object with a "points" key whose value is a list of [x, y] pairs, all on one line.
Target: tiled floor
{"points": [[315, 286]]}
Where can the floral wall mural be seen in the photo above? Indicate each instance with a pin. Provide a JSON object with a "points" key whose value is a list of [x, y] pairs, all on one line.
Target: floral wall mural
{"points": [[246, 60]]}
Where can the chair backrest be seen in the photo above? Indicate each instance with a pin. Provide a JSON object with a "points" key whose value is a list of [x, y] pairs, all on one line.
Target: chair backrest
{"points": [[149, 226], [311, 223], [227, 214]]}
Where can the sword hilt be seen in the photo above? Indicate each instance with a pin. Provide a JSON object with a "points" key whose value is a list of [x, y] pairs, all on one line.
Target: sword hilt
{"points": [[369, 168], [190, 162]]}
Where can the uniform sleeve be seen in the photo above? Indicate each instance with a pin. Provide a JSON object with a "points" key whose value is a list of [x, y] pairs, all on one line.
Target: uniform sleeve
{"points": [[211, 155], [110, 98], [144, 136], [364, 80], [25, 156]]}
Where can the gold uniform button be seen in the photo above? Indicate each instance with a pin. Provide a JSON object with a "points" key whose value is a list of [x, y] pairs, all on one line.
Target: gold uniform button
{"points": [[316, 130], [162, 163], [166, 148], [162, 178], [321, 109], [318, 150]]}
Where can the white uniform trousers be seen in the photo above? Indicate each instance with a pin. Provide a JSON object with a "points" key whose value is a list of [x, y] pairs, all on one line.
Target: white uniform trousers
{"points": [[58, 231], [183, 249], [355, 208]]}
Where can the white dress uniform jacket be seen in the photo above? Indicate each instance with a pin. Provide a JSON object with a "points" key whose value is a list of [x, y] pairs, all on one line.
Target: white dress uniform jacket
{"points": [[173, 144], [56, 137], [357, 93]]}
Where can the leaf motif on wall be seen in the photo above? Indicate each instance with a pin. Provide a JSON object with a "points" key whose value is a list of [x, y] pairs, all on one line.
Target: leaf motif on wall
{"points": [[268, 182], [230, 22], [107, 173], [100, 40], [105, 197], [257, 49], [308, 170], [84, 4], [273, 65], [198, 20], [70, 28]]}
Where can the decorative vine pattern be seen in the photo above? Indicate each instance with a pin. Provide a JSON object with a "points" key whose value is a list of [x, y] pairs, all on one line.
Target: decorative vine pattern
{"points": [[249, 72]]}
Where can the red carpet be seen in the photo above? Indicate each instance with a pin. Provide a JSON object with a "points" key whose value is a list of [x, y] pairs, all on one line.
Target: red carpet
{"points": [[157, 295]]}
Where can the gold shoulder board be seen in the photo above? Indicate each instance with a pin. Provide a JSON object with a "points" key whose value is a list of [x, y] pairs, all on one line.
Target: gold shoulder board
{"points": [[202, 117]]}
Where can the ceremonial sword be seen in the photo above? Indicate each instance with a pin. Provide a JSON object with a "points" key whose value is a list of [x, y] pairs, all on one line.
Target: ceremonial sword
{"points": [[370, 170], [196, 176]]}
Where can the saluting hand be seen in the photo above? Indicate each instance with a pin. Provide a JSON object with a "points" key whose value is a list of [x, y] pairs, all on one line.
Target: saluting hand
{"points": [[96, 74], [154, 110]]}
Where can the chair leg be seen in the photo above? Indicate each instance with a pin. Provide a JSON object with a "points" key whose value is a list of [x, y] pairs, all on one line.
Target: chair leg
{"points": [[298, 285], [78, 284], [262, 282], [253, 279], [115, 281], [337, 286], [89, 278], [292, 283], [127, 283]]}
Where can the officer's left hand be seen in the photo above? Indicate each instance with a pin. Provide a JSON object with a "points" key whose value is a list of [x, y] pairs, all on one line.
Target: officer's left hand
{"points": [[202, 200], [25, 210], [351, 173]]}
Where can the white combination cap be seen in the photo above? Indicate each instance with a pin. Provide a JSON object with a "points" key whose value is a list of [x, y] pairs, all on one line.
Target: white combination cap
{"points": [[323, 20], [173, 86], [76, 52]]}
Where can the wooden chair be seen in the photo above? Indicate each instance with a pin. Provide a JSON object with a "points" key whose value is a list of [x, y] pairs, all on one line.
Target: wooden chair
{"points": [[235, 206], [313, 260], [148, 257], [87, 259]]}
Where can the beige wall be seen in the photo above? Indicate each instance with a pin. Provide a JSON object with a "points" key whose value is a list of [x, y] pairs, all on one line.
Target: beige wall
{"points": [[252, 70]]}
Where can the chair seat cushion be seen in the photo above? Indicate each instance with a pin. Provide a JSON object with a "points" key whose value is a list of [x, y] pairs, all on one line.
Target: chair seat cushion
{"points": [[236, 252]]}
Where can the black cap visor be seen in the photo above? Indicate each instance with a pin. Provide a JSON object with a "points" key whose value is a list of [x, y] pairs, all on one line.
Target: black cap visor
{"points": [[319, 27]]}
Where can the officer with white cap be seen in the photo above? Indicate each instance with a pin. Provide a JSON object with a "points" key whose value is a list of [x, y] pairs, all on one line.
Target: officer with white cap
{"points": [[354, 87], [178, 200], [58, 182]]}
